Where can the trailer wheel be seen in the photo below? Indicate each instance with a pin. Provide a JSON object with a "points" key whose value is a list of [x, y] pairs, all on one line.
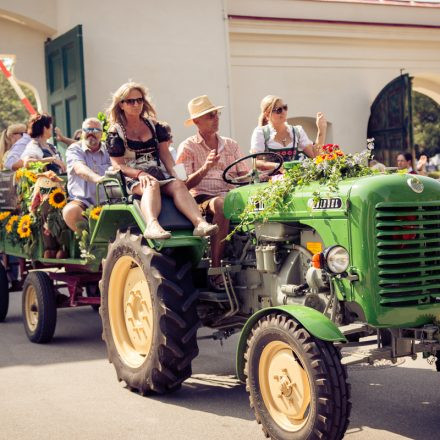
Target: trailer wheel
{"points": [[39, 307], [4, 293], [149, 316], [296, 383]]}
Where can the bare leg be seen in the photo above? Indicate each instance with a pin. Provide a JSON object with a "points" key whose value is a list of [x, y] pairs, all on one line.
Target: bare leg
{"points": [[150, 207], [72, 214], [183, 200], [217, 240]]}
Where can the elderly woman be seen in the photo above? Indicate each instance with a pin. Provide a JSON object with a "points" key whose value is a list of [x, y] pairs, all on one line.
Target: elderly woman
{"points": [[38, 149], [138, 146], [274, 134], [9, 136]]}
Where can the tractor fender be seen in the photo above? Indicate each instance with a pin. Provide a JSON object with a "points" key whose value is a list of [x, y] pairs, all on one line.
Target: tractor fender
{"points": [[313, 321]]}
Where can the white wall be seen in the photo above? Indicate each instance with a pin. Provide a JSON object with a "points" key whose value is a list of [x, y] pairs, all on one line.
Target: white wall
{"points": [[335, 68], [177, 50], [28, 46]]}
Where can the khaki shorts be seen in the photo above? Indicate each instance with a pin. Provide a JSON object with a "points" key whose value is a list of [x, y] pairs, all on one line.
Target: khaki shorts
{"points": [[203, 202]]}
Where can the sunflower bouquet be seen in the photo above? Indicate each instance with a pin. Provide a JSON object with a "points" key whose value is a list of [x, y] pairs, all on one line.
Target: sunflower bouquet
{"points": [[25, 179]]}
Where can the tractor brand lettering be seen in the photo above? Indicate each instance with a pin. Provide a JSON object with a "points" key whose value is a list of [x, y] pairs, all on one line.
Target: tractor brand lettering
{"points": [[335, 203]]}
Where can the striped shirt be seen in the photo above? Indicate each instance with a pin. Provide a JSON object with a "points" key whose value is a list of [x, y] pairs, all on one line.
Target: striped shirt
{"points": [[193, 152]]}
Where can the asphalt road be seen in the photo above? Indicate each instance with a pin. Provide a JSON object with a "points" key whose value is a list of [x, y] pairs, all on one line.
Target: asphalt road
{"points": [[68, 390]]}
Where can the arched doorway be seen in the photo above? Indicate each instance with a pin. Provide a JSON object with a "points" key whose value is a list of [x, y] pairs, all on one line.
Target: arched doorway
{"points": [[392, 116]]}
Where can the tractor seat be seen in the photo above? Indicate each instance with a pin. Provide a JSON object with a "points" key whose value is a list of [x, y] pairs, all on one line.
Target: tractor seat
{"points": [[170, 218]]}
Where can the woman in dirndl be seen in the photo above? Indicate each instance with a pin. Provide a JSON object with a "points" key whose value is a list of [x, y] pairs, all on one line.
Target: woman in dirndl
{"points": [[274, 133], [138, 146]]}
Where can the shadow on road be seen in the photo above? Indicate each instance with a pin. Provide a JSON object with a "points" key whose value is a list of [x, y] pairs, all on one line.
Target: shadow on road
{"points": [[400, 400]]}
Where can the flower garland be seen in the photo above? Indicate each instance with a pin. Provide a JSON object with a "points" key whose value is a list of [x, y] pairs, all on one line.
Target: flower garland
{"points": [[328, 169]]}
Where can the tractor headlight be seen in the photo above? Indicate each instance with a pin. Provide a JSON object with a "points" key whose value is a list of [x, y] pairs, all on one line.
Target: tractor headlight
{"points": [[336, 259]]}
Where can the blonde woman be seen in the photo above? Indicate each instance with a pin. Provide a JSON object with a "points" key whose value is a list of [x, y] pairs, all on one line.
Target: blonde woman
{"points": [[9, 136], [138, 146], [274, 134]]}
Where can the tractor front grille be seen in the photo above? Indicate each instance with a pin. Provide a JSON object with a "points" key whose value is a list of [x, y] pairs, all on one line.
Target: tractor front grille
{"points": [[408, 253]]}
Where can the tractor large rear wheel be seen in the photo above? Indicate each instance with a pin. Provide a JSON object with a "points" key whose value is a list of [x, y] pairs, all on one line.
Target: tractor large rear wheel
{"points": [[4, 293], [297, 385], [149, 316], [39, 307]]}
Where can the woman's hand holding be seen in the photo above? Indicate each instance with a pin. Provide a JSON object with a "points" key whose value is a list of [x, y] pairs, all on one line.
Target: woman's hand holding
{"points": [[60, 164], [145, 180]]}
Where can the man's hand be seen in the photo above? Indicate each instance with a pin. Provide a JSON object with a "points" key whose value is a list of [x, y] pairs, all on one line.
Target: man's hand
{"points": [[321, 122], [211, 160]]}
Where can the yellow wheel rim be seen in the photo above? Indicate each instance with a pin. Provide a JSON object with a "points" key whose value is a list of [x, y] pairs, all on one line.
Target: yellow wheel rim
{"points": [[285, 386], [130, 311], [31, 308]]}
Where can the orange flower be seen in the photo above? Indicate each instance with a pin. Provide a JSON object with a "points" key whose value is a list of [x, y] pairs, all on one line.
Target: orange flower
{"points": [[339, 153], [331, 156]]}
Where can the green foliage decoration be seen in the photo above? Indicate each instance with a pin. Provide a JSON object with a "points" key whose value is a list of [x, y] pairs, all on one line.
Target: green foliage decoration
{"points": [[328, 169]]}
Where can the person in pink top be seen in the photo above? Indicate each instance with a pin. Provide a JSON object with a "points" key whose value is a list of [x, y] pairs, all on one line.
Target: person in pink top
{"points": [[205, 156]]}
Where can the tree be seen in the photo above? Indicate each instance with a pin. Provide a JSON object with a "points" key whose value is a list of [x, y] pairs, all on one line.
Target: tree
{"points": [[426, 124], [12, 110]]}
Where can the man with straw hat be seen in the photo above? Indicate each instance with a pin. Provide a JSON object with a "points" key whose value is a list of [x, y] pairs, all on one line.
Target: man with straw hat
{"points": [[205, 156]]}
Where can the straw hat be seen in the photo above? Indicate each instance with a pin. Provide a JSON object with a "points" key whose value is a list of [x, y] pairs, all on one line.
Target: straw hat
{"points": [[200, 106]]}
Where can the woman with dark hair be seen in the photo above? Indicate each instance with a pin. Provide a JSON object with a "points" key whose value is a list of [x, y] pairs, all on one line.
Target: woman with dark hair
{"points": [[38, 149], [138, 146]]}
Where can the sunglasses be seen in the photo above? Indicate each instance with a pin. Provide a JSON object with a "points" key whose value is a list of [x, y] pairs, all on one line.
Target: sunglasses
{"points": [[279, 110], [91, 130], [213, 115], [133, 101]]}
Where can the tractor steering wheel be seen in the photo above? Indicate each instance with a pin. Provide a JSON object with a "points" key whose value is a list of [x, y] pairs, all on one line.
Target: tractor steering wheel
{"points": [[254, 175]]}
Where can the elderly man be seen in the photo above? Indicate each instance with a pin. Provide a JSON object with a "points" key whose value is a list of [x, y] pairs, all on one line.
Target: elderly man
{"points": [[205, 156], [87, 161]]}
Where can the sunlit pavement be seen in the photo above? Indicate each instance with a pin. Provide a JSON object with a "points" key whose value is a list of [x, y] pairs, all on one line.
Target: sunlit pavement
{"points": [[68, 390]]}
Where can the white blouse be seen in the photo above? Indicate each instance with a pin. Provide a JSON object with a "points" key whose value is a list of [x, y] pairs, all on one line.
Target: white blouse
{"points": [[257, 140]]}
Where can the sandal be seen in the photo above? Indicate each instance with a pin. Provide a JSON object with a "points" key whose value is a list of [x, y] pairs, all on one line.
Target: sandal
{"points": [[154, 231], [217, 282], [204, 229]]}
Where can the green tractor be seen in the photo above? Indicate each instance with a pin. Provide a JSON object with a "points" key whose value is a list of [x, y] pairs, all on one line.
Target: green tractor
{"points": [[362, 261]]}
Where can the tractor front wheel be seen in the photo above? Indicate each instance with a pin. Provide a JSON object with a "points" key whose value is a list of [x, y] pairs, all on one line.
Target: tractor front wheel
{"points": [[4, 293], [297, 385], [149, 316], [39, 307]]}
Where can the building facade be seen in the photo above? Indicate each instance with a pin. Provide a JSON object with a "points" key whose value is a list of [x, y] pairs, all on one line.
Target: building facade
{"points": [[333, 56]]}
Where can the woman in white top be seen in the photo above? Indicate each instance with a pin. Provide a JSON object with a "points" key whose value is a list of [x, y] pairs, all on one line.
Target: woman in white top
{"points": [[274, 134]]}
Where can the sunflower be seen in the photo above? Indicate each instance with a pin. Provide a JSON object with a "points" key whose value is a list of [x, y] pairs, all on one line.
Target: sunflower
{"points": [[94, 213], [57, 198], [31, 176], [19, 174], [10, 225], [4, 215], [24, 226]]}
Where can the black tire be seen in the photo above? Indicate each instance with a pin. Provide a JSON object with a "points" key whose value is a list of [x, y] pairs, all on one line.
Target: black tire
{"points": [[4, 293], [323, 413], [39, 307], [162, 298]]}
